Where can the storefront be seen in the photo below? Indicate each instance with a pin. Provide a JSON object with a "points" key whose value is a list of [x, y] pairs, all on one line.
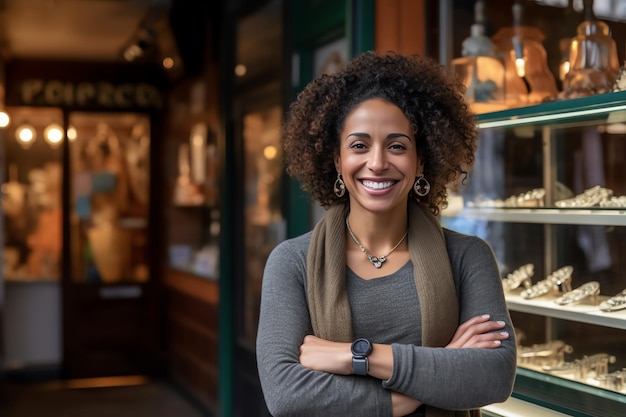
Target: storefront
{"points": [[79, 220], [141, 238]]}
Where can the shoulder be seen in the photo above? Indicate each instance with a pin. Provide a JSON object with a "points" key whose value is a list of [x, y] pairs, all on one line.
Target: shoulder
{"points": [[292, 251], [459, 244], [298, 245], [286, 264], [470, 255]]}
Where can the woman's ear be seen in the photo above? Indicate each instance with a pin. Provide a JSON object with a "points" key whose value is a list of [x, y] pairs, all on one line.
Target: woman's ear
{"points": [[420, 167], [337, 162]]}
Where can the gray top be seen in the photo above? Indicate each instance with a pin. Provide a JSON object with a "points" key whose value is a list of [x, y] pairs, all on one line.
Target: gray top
{"points": [[384, 310]]}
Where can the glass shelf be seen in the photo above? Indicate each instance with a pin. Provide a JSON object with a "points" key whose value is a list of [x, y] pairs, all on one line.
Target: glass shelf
{"points": [[554, 113], [581, 313], [601, 217]]}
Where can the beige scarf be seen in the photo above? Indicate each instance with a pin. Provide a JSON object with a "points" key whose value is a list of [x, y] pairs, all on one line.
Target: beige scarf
{"points": [[329, 307]]}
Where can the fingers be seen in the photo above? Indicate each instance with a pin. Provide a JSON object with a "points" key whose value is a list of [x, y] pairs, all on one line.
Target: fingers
{"points": [[487, 340], [479, 331]]}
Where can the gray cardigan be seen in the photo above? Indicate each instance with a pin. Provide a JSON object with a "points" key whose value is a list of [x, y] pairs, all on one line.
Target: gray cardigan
{"points": [[385, 310]]}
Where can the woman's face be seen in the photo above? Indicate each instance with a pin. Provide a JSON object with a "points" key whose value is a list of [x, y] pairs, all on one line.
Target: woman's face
{"points": [[377, 156]]}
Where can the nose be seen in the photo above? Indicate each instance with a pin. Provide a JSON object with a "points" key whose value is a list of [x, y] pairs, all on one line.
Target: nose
{"points": [[378, 159]]}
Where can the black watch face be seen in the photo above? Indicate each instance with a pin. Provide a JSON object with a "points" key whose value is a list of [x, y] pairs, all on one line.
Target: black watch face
{"points": [[361, 347]]}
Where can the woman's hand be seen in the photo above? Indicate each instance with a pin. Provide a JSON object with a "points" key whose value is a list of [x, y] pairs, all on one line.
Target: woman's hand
{"points": [[479, 332], [326, 356]]}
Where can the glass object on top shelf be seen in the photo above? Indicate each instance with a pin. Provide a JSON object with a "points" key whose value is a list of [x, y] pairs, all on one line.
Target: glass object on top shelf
{"points": [[110, 197], [593, 59], [31, 196], [528, 77], [479, 68]]}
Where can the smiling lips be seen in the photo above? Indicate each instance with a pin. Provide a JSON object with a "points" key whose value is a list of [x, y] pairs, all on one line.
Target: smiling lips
{"points": [[377, 185]]}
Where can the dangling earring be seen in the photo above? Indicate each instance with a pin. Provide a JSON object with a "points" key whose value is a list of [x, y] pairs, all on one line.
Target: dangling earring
{"points": [[421, 186], [340, 186]]}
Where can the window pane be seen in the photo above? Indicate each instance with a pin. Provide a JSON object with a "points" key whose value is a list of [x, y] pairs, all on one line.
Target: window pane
{"points": [[109, 197], [264, 223]]}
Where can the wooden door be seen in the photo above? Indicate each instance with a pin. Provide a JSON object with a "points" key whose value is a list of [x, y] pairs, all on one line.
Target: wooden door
{"points": [[110, 302]]}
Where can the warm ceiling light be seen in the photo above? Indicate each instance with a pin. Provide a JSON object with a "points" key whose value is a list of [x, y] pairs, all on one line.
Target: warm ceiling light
{"points": [[25, 135], [240, 70], [53, 134], [132, 52], [168, 63], [270, 152], [72, 134], [4, 119]]}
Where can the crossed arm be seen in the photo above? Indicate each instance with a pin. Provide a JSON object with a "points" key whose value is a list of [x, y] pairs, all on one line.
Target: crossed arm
{"points": [[336, 358]]}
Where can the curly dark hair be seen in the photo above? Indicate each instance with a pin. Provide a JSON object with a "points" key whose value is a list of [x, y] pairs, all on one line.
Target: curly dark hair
{"points": [[432, 100]]}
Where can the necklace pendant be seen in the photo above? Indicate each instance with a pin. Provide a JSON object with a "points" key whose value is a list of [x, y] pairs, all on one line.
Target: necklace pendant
{"points": [[377, 262]]}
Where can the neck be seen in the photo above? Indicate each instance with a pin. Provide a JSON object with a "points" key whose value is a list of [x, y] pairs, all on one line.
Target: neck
{"points": [[377, 233]]}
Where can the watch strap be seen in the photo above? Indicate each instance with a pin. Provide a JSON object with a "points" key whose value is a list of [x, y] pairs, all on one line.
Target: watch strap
{"points": [[360, 365]]}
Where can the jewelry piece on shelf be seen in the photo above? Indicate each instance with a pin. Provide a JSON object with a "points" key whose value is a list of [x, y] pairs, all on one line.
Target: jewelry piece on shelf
{"points": [[544, 354], [590, 289], [598, 363], [615, 303], [615, 381], [614, 202], [594, 196], [521, 276], [532, 198], [562, 278], [559, 279], [537, 290]]}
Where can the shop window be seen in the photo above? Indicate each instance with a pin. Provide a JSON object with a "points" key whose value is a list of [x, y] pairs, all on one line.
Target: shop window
{"points": [[31, 195], [109, 197]]}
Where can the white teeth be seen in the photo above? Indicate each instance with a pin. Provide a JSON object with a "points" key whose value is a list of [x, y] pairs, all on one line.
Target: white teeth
{"points": [[378, 185]]}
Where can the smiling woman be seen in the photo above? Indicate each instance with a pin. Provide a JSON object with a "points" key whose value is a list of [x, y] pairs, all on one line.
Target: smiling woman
{"points": [[379, 287]]}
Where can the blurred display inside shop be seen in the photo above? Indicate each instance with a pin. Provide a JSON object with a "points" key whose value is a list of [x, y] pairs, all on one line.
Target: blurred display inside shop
{"points": [[108, 179]]}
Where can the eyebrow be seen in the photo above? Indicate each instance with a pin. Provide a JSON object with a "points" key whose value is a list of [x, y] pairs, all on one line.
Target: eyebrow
{"points": [[389, 136]]}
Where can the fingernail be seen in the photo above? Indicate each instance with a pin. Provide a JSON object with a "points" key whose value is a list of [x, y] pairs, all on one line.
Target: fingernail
{"points": [[505, 334], [497, 342], [485, 316], [501, 323]]}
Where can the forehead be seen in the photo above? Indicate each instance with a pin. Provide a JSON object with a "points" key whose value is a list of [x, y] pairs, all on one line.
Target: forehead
{"points": [[377, 112]]}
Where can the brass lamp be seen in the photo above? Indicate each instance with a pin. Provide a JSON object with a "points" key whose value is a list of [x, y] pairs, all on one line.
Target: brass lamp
{"points": [[528, 78], [594, 64]]}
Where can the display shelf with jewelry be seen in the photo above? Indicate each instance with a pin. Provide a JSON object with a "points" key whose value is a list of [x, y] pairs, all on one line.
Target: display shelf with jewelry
{"points": [[559, 358], [548, 192], [554, 297]]}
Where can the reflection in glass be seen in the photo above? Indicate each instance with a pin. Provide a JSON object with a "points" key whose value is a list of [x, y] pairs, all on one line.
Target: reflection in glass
{"points": [[264, 223], [110, 197]]}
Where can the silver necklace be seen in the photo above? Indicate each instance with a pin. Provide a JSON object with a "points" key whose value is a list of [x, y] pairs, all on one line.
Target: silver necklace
{"points": [[377, 261]]}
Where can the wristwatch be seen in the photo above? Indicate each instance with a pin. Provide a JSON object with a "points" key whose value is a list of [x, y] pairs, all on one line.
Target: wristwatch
{"points": [[361, 348]]}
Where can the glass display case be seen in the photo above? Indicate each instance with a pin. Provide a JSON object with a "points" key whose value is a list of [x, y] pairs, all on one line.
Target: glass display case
{"points": [[548, 192]]}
